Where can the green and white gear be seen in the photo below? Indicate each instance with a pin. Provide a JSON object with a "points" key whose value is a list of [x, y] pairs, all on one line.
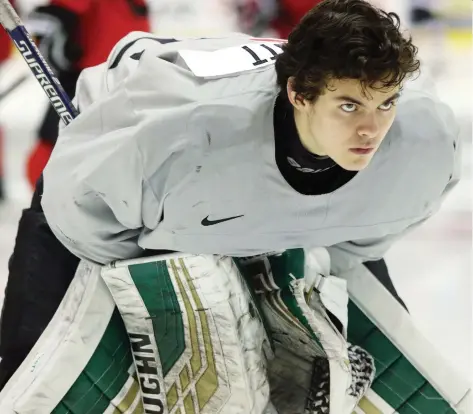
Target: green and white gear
{"points": [[191, 334]]}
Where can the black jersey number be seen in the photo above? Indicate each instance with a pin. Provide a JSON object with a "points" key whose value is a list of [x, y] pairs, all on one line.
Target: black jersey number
{"points": [[249, 49], [258, 60]]}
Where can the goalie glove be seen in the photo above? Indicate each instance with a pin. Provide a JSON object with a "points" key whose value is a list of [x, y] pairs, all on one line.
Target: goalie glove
{"points": [[55, 30]]}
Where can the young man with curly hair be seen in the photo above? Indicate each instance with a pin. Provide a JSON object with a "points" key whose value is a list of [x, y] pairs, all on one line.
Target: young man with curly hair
{"points": [[237, 146]]}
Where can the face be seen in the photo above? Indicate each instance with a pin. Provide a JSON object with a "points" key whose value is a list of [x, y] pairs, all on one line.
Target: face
{"points": [[346, 123]]}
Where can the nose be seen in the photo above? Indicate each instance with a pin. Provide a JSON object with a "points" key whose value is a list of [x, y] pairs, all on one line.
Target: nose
{"points": [[369, 127]]}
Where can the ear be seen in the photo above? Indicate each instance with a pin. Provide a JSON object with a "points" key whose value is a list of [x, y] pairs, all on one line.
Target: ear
{"points": [[296, 100]]}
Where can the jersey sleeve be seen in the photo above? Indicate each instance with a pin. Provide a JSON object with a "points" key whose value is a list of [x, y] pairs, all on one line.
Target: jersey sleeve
{"points": [[94, 182], [347, 255]]}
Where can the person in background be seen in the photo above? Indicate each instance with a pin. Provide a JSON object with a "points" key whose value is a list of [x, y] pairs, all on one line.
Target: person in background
{"points": [[73, 35]]}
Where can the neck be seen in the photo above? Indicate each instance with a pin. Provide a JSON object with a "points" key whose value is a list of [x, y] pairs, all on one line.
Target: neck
{"points": [[305, 135]]}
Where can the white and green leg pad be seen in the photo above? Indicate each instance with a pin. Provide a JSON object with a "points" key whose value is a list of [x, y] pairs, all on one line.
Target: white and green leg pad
{"points": [[205, 334], [197, 340]]}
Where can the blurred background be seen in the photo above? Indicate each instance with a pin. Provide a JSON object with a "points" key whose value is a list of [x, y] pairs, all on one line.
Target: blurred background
{"points": [[431, 268]]}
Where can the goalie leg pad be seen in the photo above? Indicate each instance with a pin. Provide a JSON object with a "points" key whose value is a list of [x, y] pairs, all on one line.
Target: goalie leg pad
{"points": [[197, 340]]}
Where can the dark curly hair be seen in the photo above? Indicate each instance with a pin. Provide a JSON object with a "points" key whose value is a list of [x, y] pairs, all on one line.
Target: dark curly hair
{"points": [[345, 39]]}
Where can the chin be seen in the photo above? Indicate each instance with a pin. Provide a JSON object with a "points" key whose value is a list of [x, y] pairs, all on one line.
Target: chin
{"points": [[355, 165]]}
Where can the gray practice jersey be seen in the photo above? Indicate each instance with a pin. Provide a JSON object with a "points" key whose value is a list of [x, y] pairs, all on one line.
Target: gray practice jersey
{"points": [[174, 149]]}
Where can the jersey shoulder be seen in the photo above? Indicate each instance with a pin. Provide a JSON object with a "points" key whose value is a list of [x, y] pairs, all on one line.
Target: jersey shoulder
{"points": [[196, 62], [424, 139], [169, 75], [423, 119]]}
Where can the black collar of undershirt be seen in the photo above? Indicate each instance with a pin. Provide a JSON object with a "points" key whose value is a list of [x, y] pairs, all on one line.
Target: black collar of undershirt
{"points": [[305, 172]]}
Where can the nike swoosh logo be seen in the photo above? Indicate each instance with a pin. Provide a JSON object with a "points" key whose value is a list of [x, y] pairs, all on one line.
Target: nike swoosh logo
{"points": [[207, 222]]}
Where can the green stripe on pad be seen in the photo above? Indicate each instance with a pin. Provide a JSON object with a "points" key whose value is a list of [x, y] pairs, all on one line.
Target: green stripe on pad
{"points": [[359, 326], [105, 374], [292, 262], [426, 400], [157, 291], [397, 381]]}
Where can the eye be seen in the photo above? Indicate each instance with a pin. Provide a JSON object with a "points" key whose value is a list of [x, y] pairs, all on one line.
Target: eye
{"points": [[387, 106], [348, 107]]}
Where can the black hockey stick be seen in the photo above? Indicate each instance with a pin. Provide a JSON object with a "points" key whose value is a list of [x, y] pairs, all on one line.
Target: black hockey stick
{"points": [[12, 23]]}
